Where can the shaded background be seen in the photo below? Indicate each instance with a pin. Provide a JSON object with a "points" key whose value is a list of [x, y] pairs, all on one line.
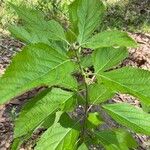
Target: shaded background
{"points": [[130, 15]]}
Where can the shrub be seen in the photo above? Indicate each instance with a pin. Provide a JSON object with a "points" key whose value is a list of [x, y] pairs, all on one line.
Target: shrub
{"points": [[55, 58]]}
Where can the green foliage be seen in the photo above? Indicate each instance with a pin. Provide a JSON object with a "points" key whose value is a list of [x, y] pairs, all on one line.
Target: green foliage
{"points": [[109, 39], [54, 57], [36, 65], [95, 119], [105, 58], [128, 80], [59, 136], [99, 93], [88, 14], [47, 103], [83, 147], [35, 28], [116, 139], [129, 116]]}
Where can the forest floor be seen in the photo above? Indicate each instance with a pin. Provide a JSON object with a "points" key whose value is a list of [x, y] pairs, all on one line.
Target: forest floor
{"points": [[139, 57]]}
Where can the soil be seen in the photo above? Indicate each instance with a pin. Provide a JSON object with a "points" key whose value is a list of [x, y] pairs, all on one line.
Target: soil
{"points": [[139, 57]]}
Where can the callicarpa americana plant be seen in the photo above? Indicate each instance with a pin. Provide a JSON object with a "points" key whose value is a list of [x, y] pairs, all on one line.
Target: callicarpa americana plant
{"points": [[55, 58]]}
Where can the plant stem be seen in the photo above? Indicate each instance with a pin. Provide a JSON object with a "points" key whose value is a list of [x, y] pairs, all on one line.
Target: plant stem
{"points": [[86, 94]]}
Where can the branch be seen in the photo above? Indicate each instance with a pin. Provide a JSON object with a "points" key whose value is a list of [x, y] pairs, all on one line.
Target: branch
{"points": [[86, 94]]}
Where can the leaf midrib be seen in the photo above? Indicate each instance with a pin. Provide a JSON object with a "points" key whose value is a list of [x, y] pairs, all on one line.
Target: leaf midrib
{"points": [[63, 137], [49, 113], [25, 87], [83, 27], [135, 92], [126, 119], [99, 97], [106, 141], [106, 64]]}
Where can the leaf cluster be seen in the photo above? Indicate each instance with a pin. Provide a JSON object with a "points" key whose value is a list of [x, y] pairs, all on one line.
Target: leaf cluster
{"points": [[55, 57]]}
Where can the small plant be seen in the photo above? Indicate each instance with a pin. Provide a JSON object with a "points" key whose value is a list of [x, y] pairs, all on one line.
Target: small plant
{"points": [[56, 59]]}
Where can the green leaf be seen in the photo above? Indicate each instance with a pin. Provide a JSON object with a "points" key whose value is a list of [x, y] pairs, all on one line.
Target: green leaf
{"points": [[86, 61], [59, 137], [98, 93], [67, 122], [69, 105], [116, 139], [52, 30], [48, 122], [36, 65], [73, 15], [83, 147], [95, 118], [130, 116], [35, 36], [16, 144], [129, 80], [71, 36], [90, 14], [60, 46], [35, 28], [110, 39], [106, 58], [39, 109], [28, 15], [145, 107], [22, 34]]}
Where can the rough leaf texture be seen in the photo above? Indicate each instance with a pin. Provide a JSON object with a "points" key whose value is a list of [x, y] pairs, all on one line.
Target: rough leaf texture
{"points": [[116, 139], [89, 14], [110, 39], [98, 93], [36, 65], [61, 136], [106, 58], [83, 147], [129, 80], [35, 28], [51, 30], [73, 7], [39, 108], [130, 116]]}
